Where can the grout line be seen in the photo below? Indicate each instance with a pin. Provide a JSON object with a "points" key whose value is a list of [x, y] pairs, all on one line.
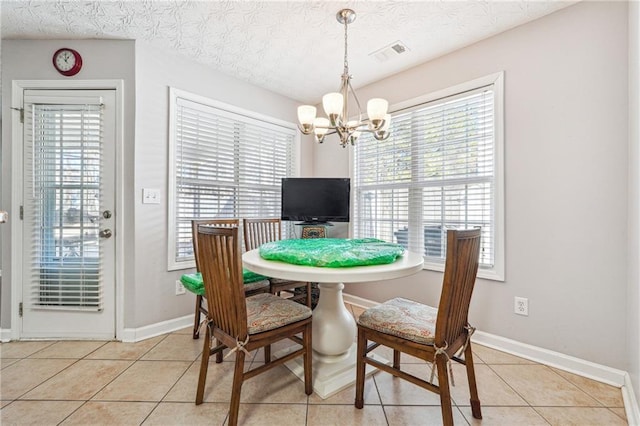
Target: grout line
{"points": [[577, 387], [490, 366], [47, 379], [150, 412], [72, 412], [375, 383]]}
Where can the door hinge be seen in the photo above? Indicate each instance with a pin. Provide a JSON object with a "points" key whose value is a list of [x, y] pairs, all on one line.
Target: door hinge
{"points": [[21, 113], [20, 309], [21, 213]]}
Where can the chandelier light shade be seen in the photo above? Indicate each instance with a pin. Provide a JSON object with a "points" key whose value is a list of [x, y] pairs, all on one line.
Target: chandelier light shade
{"points": [[336, 107]]}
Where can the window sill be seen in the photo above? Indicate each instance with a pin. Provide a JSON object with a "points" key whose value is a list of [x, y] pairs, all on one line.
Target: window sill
{"points": [[487, 274], [176, 266]]}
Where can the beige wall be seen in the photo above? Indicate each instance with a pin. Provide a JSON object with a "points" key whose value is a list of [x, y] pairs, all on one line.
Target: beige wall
{"points": [[31, 60], [566, 148], [154, 298]]}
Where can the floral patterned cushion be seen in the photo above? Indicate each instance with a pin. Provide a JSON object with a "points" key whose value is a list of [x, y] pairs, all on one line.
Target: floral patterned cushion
{"points": [[266, 311], [254, 286], [403, 318]]}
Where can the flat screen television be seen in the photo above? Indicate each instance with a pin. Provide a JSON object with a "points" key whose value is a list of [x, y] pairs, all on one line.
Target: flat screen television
{"points": [[316, 200]]}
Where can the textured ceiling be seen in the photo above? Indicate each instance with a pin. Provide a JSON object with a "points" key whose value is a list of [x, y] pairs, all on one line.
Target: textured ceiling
{"points": [[294, 48]]}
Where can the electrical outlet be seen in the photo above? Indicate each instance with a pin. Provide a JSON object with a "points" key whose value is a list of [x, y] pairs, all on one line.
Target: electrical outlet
{"points": [[180, 288], [521, 306]]}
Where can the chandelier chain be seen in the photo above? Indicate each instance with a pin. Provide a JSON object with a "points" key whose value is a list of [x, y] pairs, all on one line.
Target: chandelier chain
{"points": [[346, 62]]}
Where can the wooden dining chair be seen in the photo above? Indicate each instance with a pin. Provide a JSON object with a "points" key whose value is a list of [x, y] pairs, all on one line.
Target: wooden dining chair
{"points": [[434, 335], [260, 231], [244, 324], [261, 286]]}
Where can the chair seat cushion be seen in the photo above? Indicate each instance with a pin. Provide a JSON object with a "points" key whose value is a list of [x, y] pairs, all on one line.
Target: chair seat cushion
{"points": [[280, 283], [252, 282], [252, 287], [266, 311], [402, 318]]}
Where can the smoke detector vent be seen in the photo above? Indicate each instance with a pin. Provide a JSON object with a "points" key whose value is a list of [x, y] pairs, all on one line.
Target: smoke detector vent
{"points": [[389, 52]]}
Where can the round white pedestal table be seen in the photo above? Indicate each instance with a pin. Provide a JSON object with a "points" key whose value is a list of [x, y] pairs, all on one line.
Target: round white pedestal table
{"points": [[334, 329]]}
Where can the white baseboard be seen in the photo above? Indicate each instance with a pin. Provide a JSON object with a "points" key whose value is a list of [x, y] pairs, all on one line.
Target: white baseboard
{"points": [[591, 370], [153, 330], [5, 335], [359, 301], [131, 335], [630, 402], [588, 369]]}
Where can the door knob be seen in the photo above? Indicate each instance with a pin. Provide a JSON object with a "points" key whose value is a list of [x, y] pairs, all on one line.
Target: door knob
{"points": [[105, 233]]}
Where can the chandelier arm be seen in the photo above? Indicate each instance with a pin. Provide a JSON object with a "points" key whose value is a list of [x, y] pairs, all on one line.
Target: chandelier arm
{"points": [[305, 131], [355, 96], [345, 103], [364, 127]]}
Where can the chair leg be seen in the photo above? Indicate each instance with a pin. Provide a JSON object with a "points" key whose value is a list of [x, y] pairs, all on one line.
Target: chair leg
{"points": [[196, 321], [238, 374], [473, 388], [443, 385], [267, 354], [396, 359], [360, 367], [219, 356], [204, 365], [307, 357]]}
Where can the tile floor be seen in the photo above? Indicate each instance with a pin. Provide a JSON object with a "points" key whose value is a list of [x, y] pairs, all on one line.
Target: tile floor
{"points": [[154, 382]]}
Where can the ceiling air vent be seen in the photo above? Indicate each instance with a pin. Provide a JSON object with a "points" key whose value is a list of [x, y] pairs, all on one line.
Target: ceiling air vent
{"points": [[389, 52]]}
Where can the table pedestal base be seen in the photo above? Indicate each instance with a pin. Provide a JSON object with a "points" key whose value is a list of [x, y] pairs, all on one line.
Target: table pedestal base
{"points": [[331, 374]]}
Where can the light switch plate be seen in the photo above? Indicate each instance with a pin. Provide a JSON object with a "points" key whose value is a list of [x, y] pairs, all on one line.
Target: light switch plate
{"points": [[150, 196]]}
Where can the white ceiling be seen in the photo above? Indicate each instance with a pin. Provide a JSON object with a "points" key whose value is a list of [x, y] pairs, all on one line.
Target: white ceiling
{"points": [[294, 48]]}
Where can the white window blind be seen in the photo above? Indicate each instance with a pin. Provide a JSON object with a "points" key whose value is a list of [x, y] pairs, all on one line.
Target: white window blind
{"points": [[436, 171], [226, 165], [63, 168]]}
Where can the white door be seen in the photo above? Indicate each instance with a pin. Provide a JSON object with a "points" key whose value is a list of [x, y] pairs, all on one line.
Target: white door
{"points": [[68, 288]]}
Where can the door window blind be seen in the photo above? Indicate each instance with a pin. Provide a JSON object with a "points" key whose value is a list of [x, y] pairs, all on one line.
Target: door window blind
{"points": [[436, 171], [62, 207], [227, 165]]}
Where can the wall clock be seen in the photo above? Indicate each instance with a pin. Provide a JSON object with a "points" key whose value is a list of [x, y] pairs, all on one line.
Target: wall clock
{"points": [[67, 61]]}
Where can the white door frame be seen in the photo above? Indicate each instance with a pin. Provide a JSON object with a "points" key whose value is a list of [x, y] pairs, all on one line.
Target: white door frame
{"points": [[17, 92]]}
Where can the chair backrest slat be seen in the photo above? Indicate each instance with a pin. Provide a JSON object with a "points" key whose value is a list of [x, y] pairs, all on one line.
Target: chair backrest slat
{"points": [[461, 268], [225, 223], [221, 268], [261, 231]]}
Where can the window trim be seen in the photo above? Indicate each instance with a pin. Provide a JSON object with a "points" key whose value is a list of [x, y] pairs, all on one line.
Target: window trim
{"points": [[497, 272], [174, 94]]}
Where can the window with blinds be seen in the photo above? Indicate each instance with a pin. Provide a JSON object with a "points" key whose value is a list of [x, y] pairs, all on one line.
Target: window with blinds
{"points": [[225, 163], [63, 170], [439, 169]]}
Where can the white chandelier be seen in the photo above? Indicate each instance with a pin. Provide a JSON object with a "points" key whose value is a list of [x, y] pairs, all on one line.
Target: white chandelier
{"points": [[336, 107]]}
